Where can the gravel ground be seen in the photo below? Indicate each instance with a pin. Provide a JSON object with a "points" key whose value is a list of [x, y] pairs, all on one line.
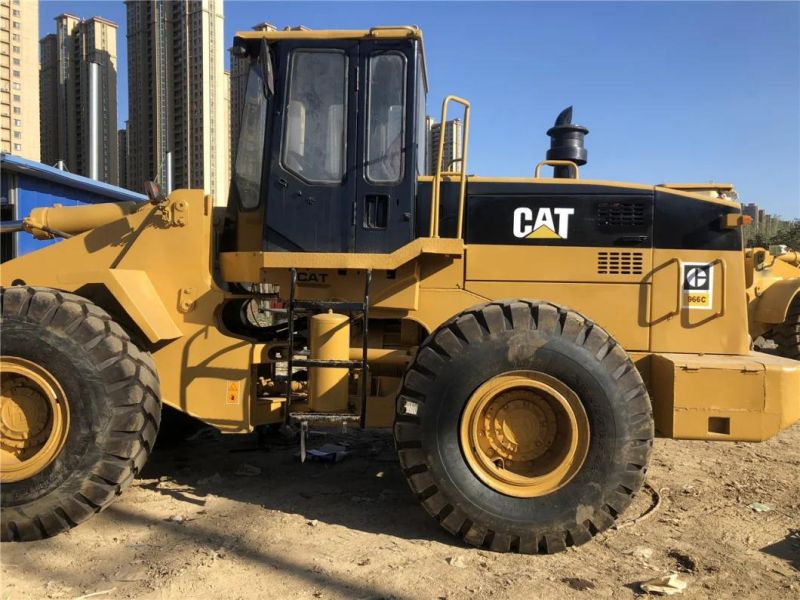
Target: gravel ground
{"points": [[222, 517]]}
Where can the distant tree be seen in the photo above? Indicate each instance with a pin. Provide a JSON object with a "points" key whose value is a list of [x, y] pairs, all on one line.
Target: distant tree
{"points": [[786, 232], [789, 235]]}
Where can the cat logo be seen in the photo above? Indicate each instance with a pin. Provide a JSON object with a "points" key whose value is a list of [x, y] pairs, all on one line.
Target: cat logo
{"points": [[697, 289], [543, 227]]}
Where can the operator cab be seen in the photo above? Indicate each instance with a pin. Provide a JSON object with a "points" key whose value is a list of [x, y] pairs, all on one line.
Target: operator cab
{"points": [[332, 141]]}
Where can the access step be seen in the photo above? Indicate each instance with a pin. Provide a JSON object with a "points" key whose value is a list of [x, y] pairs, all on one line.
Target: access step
{"points": [[342, 307], [330, 364]]}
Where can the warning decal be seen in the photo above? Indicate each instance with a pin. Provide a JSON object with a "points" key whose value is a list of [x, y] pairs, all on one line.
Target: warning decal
{"points": [[697, 287], [233, 393]]}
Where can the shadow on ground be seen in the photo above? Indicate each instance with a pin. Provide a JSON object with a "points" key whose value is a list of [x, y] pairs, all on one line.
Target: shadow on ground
{"points": [[787, 549], [366, 491]]}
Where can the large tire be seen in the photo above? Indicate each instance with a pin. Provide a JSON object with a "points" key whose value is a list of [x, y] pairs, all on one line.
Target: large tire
{"points": [[112, 392], [483, 343], [787, 334]]}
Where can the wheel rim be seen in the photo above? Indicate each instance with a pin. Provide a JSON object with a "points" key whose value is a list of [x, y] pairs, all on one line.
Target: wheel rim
{"points": [[524, 433], [34, 419]]}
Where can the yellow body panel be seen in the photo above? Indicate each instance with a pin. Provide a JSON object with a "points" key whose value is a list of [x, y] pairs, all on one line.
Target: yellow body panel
{"points": [[157, 263], [718, 330], [748, 398]]}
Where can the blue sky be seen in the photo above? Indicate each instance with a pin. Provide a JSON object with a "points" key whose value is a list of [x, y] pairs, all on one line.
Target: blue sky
{"points": [[670, 91]]}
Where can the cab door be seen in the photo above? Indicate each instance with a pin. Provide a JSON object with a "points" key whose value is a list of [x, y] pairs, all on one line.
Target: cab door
{"points": [[386, 171], [310, 190]]}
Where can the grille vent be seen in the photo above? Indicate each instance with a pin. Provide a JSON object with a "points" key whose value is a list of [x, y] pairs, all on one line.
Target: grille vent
{"points": [[620, 214], [619, 263]]}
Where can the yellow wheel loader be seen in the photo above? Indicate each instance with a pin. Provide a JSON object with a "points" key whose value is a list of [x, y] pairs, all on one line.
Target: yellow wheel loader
{"points": [[526, 338], [773, 296]]}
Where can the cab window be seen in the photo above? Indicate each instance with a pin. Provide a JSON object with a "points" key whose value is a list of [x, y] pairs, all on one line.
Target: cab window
{"points": [[386, 118], [314, 139], [250, 152]]}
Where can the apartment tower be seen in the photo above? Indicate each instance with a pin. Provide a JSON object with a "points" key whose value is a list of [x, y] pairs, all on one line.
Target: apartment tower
{"points": [[78, 105], [452, 150], [122, 153], [19, 83], [177, 132]]}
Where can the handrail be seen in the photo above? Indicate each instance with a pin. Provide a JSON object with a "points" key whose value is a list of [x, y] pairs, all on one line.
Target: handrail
{"points": [[437, 179], [556, 163], [723, 292]]}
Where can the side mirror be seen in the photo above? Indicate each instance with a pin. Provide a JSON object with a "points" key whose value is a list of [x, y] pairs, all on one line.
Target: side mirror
{"points": [[154, 193]]}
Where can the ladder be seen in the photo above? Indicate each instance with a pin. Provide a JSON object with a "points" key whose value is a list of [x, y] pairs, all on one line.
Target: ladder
{"points": [[307, 307]]}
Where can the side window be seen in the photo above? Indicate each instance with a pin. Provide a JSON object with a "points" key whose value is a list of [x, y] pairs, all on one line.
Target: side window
{"points": [[386, 118], [314, 135], [250, 153]]}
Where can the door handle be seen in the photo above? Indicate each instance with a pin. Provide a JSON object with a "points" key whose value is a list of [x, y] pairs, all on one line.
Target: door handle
{"points": [[283, 183]]}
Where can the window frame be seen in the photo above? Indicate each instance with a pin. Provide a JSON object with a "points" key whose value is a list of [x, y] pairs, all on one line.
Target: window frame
{"points": [[345, 115], [368, 120]]}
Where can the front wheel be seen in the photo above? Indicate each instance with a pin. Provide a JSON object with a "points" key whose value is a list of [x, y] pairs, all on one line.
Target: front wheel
{"points": [[522, 426], [79, 411]]}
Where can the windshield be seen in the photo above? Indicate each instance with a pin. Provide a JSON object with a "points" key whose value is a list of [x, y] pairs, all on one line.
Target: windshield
{"points": [[250, 151], [315, 131]]}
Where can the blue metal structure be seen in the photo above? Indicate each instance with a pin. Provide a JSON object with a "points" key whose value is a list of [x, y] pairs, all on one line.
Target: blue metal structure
{"points": [[27, 184]]}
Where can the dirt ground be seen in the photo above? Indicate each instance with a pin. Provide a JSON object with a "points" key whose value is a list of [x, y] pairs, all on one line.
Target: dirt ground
{"points": [[223, 518]]}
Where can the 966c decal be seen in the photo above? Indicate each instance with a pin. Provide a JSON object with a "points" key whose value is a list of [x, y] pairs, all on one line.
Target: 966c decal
{"points": [[697, 286]]}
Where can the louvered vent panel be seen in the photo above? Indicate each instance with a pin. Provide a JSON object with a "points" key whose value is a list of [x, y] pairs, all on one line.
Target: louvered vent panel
{"points": [[620, 214], [619, 263]]}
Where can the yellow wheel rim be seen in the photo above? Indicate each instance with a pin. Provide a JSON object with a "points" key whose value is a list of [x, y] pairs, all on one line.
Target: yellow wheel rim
{"points": [[34, 419], [524, 433]]}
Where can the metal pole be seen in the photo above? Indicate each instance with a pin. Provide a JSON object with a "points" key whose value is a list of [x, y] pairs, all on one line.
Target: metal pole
{"points": [[169, 173], [94, 120]]}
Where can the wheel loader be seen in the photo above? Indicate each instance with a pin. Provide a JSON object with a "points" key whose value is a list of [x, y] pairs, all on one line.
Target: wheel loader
{"points": [[526, 338], [773, 296]]}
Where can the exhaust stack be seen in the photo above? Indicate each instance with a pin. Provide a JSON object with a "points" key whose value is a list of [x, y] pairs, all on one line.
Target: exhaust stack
{"points": [[566, 143]]}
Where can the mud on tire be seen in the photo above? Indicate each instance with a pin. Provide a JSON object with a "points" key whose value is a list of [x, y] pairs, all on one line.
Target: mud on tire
{"points": [[499, 337], [112, 390]]}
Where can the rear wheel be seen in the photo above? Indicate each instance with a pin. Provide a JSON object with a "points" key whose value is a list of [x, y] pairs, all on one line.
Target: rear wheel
{"points": [[79, 411], [523, 426], [787, 334]]}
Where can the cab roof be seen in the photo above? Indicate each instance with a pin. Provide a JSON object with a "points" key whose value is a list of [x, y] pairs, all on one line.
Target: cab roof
{"points": [[385, 32], [303, 33]]}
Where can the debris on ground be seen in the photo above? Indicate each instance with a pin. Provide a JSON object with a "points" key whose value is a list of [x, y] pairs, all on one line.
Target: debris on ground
{"points": [[759, 507], [246, 470], [666, 585], [312, 523], [457, 561], [176, 519], [328, 453]]}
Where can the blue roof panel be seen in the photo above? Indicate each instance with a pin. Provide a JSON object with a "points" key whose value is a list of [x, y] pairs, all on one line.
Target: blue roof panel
{"points": [[25, 166]]}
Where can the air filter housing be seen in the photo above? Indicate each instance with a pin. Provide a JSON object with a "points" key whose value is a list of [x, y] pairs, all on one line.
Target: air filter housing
{"points": [[566, 143]]}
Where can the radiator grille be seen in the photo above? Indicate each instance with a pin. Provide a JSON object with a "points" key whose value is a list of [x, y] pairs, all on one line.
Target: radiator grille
{"points": [[619, 263], [620, 214]]}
